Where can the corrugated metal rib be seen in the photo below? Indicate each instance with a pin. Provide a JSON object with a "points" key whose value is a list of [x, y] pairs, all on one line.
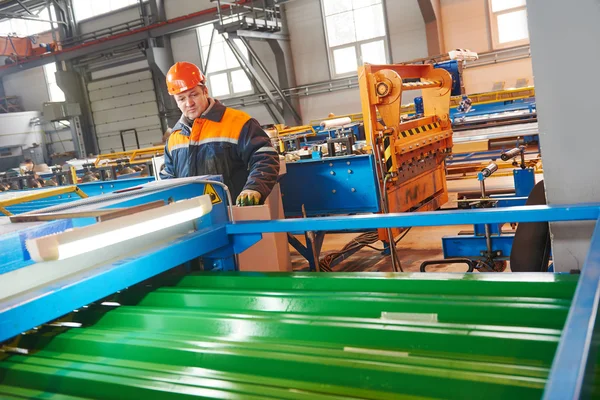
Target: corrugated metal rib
{"points": [[306, 336]]}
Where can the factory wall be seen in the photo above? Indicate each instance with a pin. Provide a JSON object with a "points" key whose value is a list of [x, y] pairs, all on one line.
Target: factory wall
{"points": [[30, 86], [20, 138], [466, 25], [177, 8], [407, 39], [569, 144], [185, 46], [99, 22]]}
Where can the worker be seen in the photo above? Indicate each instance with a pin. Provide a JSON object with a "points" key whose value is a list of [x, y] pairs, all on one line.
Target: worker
{"points": [[211, 139], [27, 168]]}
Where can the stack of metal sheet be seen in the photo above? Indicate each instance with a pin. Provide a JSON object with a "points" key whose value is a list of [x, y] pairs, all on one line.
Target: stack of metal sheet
{"points": [[302, 336]]}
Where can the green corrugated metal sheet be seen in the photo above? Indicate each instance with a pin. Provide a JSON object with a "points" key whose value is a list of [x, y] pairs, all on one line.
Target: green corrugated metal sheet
{"points": [[305, 336]]}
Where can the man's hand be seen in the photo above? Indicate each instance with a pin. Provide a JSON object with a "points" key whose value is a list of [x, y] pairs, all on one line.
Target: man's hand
{"points": [[248, 198]]}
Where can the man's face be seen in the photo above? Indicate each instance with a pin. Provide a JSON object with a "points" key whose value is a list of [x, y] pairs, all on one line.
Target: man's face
{"points": [[193, 102]]}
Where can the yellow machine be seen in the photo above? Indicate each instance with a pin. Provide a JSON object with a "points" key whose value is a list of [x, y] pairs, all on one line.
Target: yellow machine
{"points": [[476, 98], [409, 153], [137, 156]]}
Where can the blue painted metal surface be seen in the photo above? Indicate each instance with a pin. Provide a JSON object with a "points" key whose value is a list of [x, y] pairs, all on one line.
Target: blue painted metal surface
{"points": [[52, 301], [14, 255], [576, 212], [495, 108], [572, 374], [91, 189], [453, 68], [524, 181], [17, 255], [467, 245], [479, 229], [337, 185], [459, 246]]}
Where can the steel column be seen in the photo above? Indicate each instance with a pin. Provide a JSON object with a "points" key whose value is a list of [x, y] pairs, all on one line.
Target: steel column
{"points": [[252, 74], [284, 99]]}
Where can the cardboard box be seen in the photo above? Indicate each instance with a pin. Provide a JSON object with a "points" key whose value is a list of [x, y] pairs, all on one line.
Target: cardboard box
{"points": [[272, 253]]}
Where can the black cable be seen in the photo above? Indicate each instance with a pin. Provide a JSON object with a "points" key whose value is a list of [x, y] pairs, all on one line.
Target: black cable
{"points": [[403, 235]]}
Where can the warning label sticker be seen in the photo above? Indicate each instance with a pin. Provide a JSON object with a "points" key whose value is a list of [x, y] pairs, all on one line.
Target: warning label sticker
{"points": [[214, 197]]}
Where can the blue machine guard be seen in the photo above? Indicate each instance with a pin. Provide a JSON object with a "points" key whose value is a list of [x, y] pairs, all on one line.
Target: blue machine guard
{"points": [[337, 185]]}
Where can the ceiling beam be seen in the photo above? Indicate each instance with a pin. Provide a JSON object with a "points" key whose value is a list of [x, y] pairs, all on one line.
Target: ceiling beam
{"points": [[24, 7], [99, 45]]}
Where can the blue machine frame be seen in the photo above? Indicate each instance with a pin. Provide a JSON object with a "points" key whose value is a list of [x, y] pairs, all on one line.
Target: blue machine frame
{"points": [[91, 189], [47, 302], [345, 185], [575, 355], [471, 246]]}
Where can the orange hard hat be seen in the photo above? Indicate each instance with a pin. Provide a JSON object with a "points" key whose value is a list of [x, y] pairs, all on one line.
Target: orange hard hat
{"points": [[184, 76]]}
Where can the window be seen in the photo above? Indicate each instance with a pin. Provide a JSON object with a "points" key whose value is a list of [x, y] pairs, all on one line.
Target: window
{"points": [[54, 92], [355, 34], [85, 9], [225, 76], [509, 23], [26, 27]]}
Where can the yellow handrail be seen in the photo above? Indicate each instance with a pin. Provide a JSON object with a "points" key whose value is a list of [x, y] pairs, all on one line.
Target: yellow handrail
{"points": [[38, 195], [137, 155]]}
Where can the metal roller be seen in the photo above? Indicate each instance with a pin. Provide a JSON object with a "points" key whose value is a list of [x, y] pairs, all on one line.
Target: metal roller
{"points": [[505, 156], [489, 170], [423, 84]]}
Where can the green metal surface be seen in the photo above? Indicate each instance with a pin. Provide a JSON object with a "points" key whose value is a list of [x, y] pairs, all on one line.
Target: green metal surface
{"points": [[303, 336]]}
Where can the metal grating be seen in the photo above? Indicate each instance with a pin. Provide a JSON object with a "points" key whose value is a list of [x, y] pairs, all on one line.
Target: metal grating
{"points": [[303, 336]]}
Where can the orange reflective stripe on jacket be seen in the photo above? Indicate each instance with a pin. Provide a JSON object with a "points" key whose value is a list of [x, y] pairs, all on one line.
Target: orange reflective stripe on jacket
{"points": [[226, 130], [177, 140]]}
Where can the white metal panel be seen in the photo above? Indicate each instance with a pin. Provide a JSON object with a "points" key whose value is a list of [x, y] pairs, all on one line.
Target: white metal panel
{"points": [[177, 8], [16, 129], [185, 46], [122, 90], [119, 80], [109, 143], [146, 137], [147, 109], [123, 103], [110, 19], [61, 141], [115, 127], [121, 69], [30, 85]]}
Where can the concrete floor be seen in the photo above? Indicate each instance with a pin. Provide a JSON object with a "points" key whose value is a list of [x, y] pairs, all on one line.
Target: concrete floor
{"points": [[420, 244]]}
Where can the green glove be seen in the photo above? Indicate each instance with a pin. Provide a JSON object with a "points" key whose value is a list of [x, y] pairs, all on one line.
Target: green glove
{"points": [[248, 198]]}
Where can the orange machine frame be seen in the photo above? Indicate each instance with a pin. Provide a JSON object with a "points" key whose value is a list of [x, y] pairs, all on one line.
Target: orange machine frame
{"points": [[409, 153], [19, 47]]}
